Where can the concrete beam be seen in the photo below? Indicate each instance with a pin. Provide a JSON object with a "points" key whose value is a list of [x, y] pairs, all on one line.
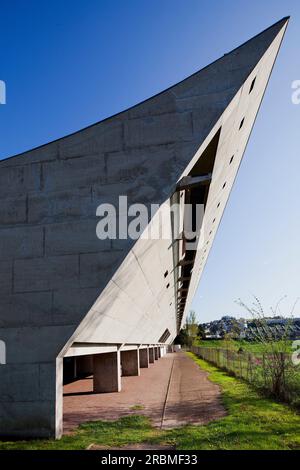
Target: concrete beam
{"points": [[89, 350], [144, 358], [82, 349], [189, 182], [107, 372], [130, 362]]}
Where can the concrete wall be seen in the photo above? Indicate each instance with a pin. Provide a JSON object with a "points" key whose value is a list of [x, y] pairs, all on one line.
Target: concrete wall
{"points": [[56, 276]]}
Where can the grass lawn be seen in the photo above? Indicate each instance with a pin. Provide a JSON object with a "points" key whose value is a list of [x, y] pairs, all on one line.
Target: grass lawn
{"points": [[236, 344], [253, 422]]}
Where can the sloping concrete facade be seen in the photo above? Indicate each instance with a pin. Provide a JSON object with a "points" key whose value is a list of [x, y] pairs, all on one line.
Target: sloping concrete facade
{"points": [[63, 291]]}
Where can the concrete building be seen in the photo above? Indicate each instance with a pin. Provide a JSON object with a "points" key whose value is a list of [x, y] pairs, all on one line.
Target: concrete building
{"points": [[113, 304]]}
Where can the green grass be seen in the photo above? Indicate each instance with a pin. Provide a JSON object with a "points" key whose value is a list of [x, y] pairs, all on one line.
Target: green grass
{"points": [[253, 422], [137, 407], [126, 430], [235, 345]]}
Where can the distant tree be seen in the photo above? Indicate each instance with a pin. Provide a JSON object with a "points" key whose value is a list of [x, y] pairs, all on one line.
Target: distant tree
{"points": [[221, 330], [181, 338], [276, 364], [201, 332], [235, 329], [191, 328], [214, 328]]}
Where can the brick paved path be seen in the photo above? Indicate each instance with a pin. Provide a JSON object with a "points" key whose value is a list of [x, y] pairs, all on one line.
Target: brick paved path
{"points": [[173, 391]]}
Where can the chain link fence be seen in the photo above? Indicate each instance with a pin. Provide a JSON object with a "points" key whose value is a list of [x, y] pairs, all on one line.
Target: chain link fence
{"points": [[274, 374]]}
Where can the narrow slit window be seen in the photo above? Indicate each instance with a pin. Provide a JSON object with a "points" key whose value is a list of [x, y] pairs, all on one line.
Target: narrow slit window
{"points": [[231, 160], [252, 85], [242, 123], [166, 273]]}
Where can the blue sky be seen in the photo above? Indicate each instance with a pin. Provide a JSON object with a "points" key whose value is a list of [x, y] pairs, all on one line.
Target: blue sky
{"points": [[68, 64]]}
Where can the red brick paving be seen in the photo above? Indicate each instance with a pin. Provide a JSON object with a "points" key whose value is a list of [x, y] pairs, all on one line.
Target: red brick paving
{"points": [[192, 398], [172, 392]]}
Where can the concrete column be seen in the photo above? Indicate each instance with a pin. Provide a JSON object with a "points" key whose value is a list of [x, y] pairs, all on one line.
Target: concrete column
{"points": [[144, 357], [156, 356], [75, 367], [130, 362], [58, 421], [162, 352], [151, 355], [107, 372]]}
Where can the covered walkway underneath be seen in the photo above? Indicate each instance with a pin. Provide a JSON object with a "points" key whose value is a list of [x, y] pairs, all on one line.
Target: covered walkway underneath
{"points": [[172, 391]]}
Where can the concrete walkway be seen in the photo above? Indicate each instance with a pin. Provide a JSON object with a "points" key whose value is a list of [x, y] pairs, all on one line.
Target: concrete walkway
{"points": [[173, 392]]}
